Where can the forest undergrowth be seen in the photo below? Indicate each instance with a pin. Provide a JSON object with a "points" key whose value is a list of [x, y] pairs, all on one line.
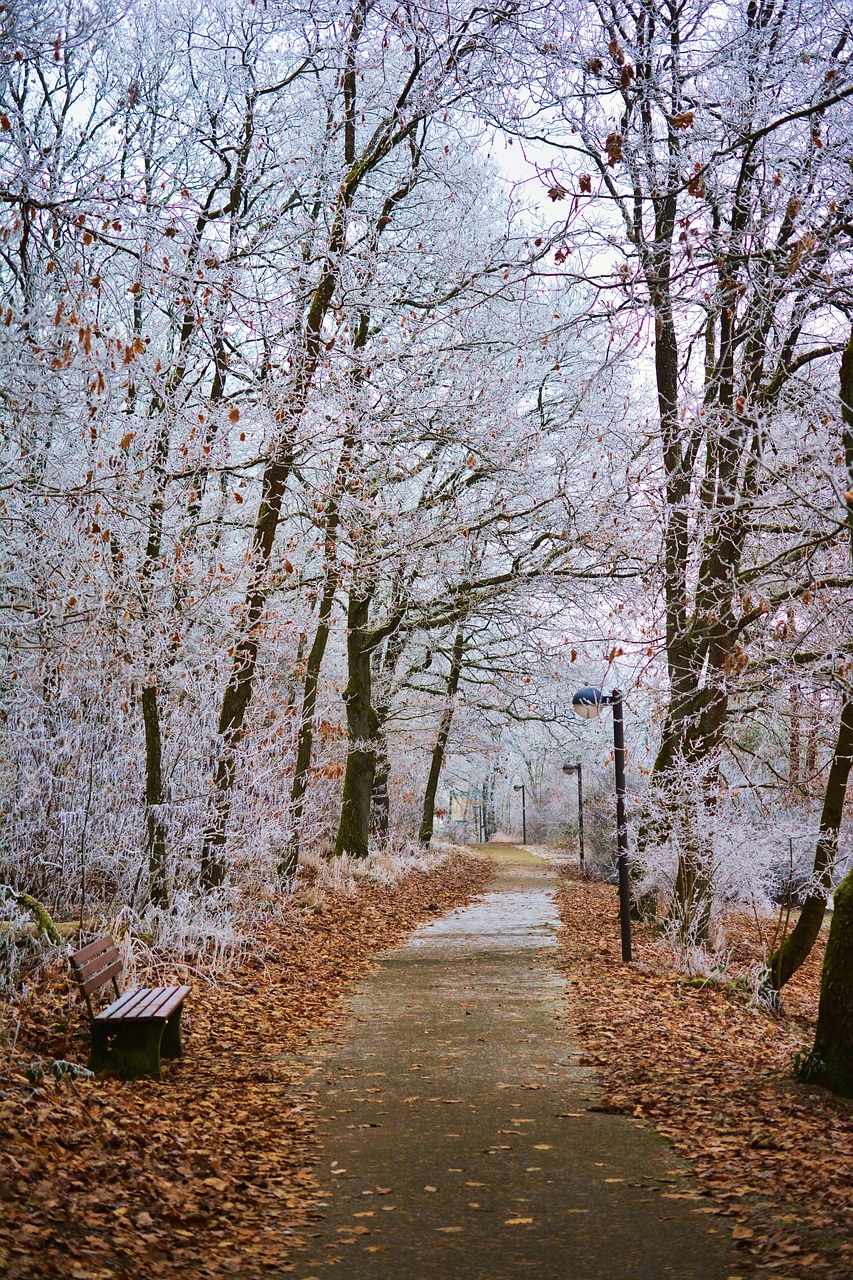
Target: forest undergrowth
{"points": [[712, 1071], [210, 1172]]}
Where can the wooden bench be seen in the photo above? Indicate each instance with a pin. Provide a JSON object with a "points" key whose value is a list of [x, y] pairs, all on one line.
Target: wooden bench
{"points": [[140, 1024]]}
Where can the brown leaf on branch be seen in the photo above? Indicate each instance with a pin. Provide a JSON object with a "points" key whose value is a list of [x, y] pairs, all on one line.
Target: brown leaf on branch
{"points": [[616, 51], [613, 148]]}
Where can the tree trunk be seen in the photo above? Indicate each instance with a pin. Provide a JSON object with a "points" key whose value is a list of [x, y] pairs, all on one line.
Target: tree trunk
{"points": [[793, 952], [831, 1060], [158, 890], [238, 691], [331, 581], [43, 918], [811, 746], [487, 813], [846, 395], [690, 909], [797, 946], [428, 816], [380, 812], [305, 740], [354, 826], [794, 740], [380, 820]]}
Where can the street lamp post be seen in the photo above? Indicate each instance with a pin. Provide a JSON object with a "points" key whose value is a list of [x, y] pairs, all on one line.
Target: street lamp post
{"points": [[578, 769], [520, 787], [588, 703]]}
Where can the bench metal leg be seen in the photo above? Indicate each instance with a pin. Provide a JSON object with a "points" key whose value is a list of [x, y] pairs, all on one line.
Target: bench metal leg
{"points": [[99, 1057], [137, 1050], [134, 1052], [172, 1046]]}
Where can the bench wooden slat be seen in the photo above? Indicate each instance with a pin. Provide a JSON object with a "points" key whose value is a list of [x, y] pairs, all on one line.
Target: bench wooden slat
{"points": [[144, 1008], [166, 1002], [94, 967], [127, 1001], [129, 997], [89, 968], [145, 1004], [99, 980], [92, 949], [162, 1002]]}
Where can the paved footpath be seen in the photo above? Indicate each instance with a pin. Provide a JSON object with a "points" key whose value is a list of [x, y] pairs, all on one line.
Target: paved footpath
{"points": [[460, 1133]]}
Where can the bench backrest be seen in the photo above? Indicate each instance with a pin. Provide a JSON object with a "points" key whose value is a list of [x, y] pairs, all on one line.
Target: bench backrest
{"points": [[95, 965]]}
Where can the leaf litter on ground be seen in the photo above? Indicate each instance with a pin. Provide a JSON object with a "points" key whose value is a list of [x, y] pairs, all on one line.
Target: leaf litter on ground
{"points": [[210, 1172], [713, 1073]]}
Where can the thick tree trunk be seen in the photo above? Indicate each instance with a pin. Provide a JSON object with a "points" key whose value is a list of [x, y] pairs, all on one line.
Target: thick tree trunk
{"points": [[488, 825], [380, 810], [238, 691], [690, 910], [158, 889], [831, 1060], [155, 839], [797, 946], [428, 816], [305, 740], [380, 820], [354, 826], [794, 740], [846, 395], [793, 952], [331, 581]]}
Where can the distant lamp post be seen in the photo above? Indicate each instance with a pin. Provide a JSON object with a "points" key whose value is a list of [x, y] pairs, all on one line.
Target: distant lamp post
{"points": [[588, 703], [578, 769], [520, 787]]}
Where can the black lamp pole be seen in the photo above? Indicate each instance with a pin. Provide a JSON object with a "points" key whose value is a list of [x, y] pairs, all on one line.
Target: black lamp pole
{"points": [[578, 769], [520, 787], [588, 703], [621, 823]]}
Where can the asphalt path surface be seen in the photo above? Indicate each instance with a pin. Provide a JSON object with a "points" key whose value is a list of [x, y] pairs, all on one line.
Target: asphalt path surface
{"points": [[461, 1135]]}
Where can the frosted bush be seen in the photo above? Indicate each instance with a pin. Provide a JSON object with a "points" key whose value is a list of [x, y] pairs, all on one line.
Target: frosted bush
{"points": [[743, 852], [201, 935], [384, 865]]}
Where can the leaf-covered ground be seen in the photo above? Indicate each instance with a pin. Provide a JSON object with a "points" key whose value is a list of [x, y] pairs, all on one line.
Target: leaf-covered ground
{"points": [[713, 1074], [209, 1172]]}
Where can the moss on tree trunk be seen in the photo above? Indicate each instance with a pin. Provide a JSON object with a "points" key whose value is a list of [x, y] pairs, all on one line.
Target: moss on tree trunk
{"points": [[43, 918]]}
